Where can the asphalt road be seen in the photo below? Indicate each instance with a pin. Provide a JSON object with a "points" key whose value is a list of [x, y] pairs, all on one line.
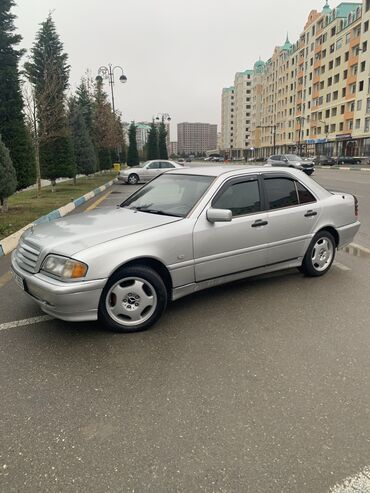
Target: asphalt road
{"points": [[260, 386]]}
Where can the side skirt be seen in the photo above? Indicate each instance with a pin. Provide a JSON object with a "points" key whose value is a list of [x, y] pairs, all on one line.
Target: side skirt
{"points": [[182, 291]]}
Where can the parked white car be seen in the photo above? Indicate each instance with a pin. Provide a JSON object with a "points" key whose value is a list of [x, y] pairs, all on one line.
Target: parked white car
{"points": [[147, 171], [187, 230]]}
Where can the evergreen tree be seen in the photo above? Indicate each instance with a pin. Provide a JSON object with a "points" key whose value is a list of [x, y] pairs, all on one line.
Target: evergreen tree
{"points": [[85, 102], [162, 144], [8, 179], [152, 143], [132, 154], [12, 125], [48, 72], [83, 148]]}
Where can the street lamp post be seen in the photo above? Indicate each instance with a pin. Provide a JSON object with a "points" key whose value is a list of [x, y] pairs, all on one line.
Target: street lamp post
{"points": [[107, 72], [299, 119], [162, 116]]}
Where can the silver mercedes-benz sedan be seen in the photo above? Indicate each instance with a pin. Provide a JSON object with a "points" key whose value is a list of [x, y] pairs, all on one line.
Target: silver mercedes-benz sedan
{"points": [[186, 230], [146, 171]]}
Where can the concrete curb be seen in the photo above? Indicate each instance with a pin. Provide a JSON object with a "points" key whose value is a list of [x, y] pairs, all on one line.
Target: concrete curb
{"points": [[8, 244], [343, 168]]}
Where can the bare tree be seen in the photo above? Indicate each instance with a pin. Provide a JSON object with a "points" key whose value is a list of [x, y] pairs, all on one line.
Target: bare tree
{"points": [[43, 117]]}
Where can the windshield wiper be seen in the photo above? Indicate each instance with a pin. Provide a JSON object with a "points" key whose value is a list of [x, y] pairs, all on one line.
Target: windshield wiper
{"points": [[157, 211]]}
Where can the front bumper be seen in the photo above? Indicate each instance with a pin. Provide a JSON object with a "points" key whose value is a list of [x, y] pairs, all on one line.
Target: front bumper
{"points": [[123, 178], [70, 301]]}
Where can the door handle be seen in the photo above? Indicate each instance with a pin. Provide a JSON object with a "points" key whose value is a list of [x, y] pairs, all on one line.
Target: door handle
{"points": [[310, 214], [259, 223]]}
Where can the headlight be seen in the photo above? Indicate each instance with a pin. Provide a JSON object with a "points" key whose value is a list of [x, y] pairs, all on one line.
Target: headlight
{"points": [[63, 267]]}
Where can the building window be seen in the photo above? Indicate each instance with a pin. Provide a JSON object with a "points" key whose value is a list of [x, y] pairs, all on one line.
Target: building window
{"points": [[334, 112], [341, 126], [332, 127], [367, 125], [348, 37], [364, 46], [361, 85], [344, 91], [335, 95], [330, 81], [345, 74], [336, 78], [366, 26], [331, 65], [363, 66], [342, 109], [358, 123], [337, 61], [346, 56], [359, 105], [352, 88], [368, 105]]}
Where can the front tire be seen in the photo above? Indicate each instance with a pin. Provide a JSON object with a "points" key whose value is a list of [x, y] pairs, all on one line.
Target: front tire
{"points": [[133, 299], [320, 255], [133, 179]]}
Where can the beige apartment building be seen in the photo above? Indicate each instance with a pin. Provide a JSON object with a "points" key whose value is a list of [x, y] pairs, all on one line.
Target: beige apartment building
{"points": [[313, 96], [236, 115]]}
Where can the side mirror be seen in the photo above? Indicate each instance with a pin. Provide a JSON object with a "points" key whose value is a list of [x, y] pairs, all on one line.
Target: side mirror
{"points": [[219, 215]]}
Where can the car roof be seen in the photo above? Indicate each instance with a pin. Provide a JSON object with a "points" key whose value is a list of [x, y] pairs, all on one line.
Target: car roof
{"points": [[230, 170]]}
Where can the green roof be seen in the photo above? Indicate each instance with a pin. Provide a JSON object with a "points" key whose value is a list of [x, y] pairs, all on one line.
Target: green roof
{"points": [[259, 66], [326, 9], [344, 9], [287, 45], [228, 89]]}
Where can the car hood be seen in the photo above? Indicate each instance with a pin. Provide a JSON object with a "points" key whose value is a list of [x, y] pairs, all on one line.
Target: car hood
{"points": [[72, 234]]}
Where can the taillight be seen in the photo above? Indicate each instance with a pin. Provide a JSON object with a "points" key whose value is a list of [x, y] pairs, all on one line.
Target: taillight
{"points": [[356, 205]]}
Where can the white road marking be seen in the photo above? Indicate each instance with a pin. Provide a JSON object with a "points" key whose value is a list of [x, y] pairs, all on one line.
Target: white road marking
{"points": [[360, 483], [341, 266], [26, 321]]}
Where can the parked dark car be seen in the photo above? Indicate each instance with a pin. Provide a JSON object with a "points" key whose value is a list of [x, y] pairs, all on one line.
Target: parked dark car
{"points": [[292, 161], [349, 160], [324, 161]]}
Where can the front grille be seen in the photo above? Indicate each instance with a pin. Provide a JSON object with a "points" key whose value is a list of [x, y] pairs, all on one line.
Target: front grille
{"points": [[27, 256]]}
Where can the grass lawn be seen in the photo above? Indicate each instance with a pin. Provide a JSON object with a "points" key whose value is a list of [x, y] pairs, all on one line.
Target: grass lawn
{"points": [[25, 207]]}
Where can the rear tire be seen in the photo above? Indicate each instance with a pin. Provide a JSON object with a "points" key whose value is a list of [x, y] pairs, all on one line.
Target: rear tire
{"points": [[133, 299], [320, 255]]}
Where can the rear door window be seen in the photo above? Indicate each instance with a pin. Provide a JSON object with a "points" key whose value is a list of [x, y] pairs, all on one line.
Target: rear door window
{"points": [[304, 195], [280, 192]]}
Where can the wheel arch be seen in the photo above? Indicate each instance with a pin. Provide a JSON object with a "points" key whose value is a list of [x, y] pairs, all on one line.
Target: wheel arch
{"points": [[154, 264], [332, 231]]}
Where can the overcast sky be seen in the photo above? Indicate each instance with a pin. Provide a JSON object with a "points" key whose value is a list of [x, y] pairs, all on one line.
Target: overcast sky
{"points": [[177, 54]]}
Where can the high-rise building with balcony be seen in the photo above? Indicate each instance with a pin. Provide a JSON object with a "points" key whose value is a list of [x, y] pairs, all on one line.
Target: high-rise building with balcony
{"points": [[313, 96]]}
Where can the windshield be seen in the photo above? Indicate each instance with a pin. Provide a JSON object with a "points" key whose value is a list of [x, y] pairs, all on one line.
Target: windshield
{"points": [[293, 157], [169, 194]]}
